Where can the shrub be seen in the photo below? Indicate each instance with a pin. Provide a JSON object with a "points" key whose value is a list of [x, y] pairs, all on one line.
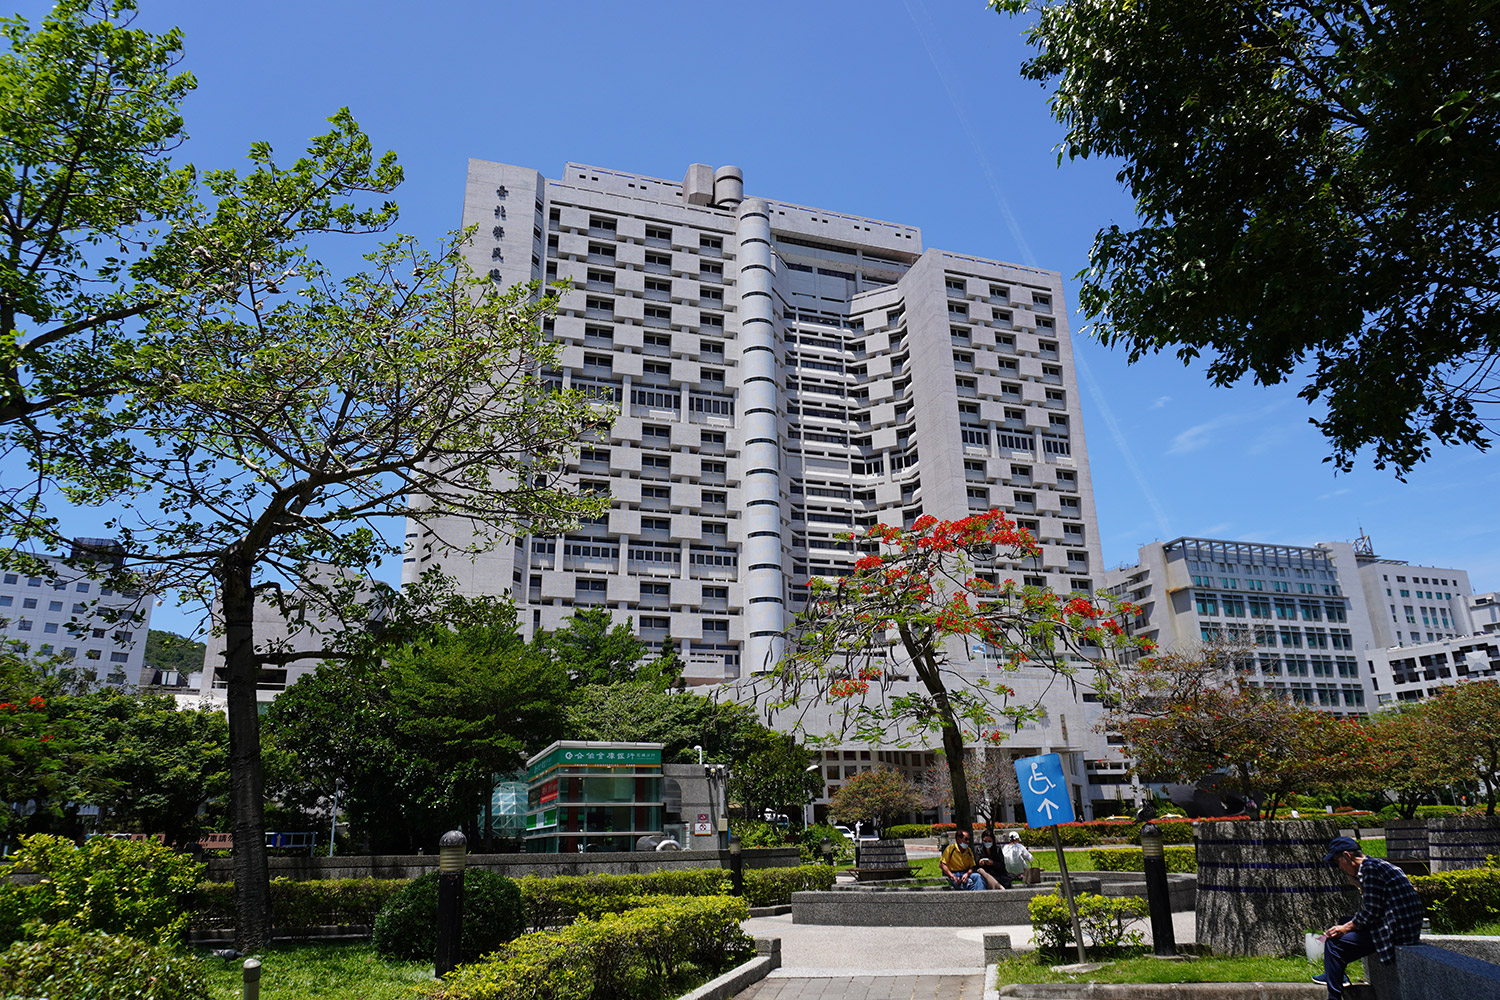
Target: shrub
{"points": [[910, 831], [1458, 901], [70, 964], [1106, 922], [774, 886], [141, 888], [556, 900], [494, 913], [313, 903], [603, 958], [810, 844], [1181, 860]]}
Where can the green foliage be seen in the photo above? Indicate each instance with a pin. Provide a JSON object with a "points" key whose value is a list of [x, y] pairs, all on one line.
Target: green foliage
{"points": [[1358, 123], [774, 772], [774, 886], [315, 903], [494, 913], [138, 888], [555, 900], [1106, 922], [909, 831], [595, 650], [70, 964], [637, 711], [1182, 860], [1458, 901], [881, 795], [810, 844], [170, 651], [615, 956]]}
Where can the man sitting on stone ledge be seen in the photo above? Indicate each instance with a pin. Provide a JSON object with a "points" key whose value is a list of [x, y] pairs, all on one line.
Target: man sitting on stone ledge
{"points": [[957, 864], [1390, 914]]}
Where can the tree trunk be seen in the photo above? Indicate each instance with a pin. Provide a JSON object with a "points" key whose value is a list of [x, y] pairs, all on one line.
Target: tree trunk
{"points": [[252, 879]]}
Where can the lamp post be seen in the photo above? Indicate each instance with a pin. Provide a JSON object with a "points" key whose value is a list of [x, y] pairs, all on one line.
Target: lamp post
{"points": [[452, 856], [736, 866], [1158, 896]]}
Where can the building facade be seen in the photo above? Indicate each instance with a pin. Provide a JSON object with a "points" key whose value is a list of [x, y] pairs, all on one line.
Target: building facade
{"points": [[1408, 605], [74, 614], [1420, 670], [1287, 601], [783, 375]]}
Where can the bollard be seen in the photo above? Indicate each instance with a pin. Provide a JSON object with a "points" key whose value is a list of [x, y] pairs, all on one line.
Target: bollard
{"points": [[250, 978], [452, 856], [1158, 895], [828, 852], [736, 866]]}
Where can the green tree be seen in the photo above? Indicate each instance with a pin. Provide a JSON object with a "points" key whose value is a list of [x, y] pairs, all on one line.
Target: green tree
{"points": [[149, 763], [594, 649], [170, 651], [915, 604], [272, 438], [101, 231], [774, 772], [883, 795], [1463, 726], [1405, 758], [637, 711], [1185, 716], [1313, 183]]}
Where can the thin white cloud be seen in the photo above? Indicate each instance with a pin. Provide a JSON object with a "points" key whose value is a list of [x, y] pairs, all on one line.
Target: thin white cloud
{"points": [[1160, 402], [1334, 493]]}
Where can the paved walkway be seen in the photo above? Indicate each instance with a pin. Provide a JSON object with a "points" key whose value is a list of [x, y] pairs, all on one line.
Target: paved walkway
{"points": [[887, 963]]}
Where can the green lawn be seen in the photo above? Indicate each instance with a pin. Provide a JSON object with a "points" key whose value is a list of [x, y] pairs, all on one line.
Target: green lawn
{"points": [[1031, 968], [321, 972]]}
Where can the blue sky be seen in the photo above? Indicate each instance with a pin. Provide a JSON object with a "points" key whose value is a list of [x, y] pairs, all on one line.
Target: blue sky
{"points": [[912, 111]]}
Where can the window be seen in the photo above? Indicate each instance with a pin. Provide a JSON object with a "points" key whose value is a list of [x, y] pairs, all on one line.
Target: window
{"points": [[659, 233], [119, 657], [656, 436], [6, 601], [54, 605], [710, 243], [50, 627], [29, 602]]}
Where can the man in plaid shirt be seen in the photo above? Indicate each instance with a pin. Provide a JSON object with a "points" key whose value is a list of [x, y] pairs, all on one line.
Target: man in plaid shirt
{"points": [[1390, 913]]}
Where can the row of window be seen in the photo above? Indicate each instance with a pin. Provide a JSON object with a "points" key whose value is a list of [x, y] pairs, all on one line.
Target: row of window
{"points": [[1229, 606]]}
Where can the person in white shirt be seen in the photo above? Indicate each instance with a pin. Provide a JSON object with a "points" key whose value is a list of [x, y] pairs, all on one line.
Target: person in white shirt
{"points": [[1017, 859]]}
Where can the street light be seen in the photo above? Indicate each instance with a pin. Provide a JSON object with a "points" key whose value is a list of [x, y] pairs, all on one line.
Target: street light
{"points": [[736, 866], [452, 856]]}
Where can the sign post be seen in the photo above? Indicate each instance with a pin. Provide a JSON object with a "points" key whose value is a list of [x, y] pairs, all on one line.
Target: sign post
{"points": [[1044, 794]]}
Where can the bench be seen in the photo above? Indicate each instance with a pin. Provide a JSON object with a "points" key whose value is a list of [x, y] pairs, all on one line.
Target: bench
{"points": [[881, 860]]}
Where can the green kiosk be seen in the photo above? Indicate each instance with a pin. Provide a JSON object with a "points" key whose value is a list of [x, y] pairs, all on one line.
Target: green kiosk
{"points": [[593, 796]]}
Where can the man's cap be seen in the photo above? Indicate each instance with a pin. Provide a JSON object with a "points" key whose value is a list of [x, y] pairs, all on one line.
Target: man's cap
{"points": [[1338, 845], [1013, 835]]}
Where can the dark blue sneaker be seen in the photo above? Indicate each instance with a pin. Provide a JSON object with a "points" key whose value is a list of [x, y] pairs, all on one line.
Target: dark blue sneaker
{"points": [[1322, 980]]}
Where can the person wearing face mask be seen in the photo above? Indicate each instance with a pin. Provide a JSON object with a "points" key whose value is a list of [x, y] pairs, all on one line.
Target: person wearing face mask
{"points": [[989, 859]]}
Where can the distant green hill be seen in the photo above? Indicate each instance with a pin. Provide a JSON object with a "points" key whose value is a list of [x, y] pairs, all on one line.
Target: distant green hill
{"points": [[170, 651]]}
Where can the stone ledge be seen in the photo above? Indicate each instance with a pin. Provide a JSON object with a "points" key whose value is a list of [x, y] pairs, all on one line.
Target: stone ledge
{"points": [[1164, 991], [766, 960]]}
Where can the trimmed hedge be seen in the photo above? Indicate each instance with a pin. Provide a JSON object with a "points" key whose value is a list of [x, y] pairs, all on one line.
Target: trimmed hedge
{"points": [[609, 957], [558, 899], [774, 886], [68, 964], [406, 926], [1106, 921], [315, 903], [1181, 860], [1458, 901]]}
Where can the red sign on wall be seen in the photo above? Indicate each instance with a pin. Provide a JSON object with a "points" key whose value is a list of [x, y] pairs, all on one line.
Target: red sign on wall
{"points": [[549, 791]]}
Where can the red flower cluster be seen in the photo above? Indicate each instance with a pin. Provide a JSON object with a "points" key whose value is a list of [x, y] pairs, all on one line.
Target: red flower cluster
{"points": [[848, 688]]}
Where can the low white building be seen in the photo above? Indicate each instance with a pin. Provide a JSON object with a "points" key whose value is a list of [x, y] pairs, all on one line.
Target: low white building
{"points": [[1412, 673]]}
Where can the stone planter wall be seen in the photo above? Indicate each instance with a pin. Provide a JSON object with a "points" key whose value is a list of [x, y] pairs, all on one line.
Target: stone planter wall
{"points": [[1262, 885], [1456, 842]]}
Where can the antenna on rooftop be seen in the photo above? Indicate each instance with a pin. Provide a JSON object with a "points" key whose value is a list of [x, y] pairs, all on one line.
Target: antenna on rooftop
{"points": [[1363, 546]]}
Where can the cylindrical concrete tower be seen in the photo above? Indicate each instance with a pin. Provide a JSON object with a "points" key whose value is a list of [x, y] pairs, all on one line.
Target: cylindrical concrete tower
{"points": [[729, 187], [765, 592]]}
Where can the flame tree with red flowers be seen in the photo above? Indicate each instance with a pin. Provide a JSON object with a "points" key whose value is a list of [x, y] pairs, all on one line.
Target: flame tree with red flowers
{"points": [[914, 604]]}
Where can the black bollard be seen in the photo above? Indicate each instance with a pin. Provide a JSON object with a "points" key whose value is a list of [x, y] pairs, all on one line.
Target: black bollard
{"points": [[736, 866], [1158, 895], [450, 916]]}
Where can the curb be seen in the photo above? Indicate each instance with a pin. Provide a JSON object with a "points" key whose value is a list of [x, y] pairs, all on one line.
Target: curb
{"points": [[780, 910], [767, 958], [1162, 991]]}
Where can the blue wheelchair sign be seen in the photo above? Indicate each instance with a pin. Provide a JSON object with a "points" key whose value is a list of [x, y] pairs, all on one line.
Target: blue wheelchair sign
{"points": [[1044, 792]]}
